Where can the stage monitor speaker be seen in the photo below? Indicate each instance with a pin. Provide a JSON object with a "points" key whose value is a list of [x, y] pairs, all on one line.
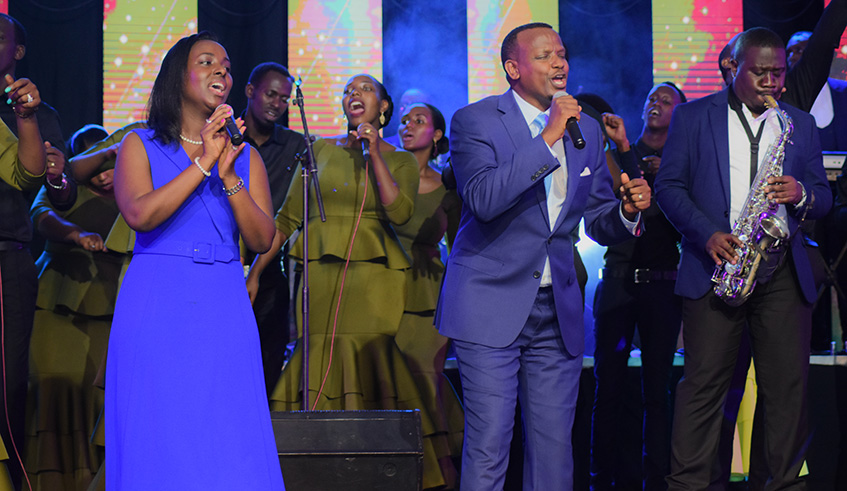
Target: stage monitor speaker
{"points": [[349, 450]]}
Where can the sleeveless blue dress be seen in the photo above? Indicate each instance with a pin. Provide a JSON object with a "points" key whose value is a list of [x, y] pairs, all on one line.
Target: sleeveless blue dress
{"points": [[186, 406]]}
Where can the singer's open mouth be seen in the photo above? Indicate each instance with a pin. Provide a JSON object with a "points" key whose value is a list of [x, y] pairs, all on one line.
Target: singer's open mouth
{"points": [[356, 108], [218, 88], [559, 81]]}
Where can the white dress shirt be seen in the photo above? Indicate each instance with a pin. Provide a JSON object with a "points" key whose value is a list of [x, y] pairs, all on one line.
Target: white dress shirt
{"points": [[739, 155], [556, 183]]}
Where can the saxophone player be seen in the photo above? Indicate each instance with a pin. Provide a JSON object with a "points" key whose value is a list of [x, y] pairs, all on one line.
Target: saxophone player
{"points": [[715, 148]]}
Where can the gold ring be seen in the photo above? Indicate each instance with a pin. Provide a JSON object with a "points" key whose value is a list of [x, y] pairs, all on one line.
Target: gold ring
{"points": [[51, 164], [368, 131], [29, 97], [640, 196]]}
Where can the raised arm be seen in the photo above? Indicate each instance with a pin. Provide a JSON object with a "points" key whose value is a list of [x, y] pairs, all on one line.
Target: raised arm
{"points": [[25, 100], [490, 183], [143, 207], [805, 80], [101, 156]]}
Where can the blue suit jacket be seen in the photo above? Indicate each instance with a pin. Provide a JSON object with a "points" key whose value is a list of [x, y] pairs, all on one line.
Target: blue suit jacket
{"points": [[692, 186], [494, 270]]}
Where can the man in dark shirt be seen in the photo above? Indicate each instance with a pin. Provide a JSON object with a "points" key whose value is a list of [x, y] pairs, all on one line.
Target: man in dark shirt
{"points": [[268, 92], [637, 291], [24, 160]]}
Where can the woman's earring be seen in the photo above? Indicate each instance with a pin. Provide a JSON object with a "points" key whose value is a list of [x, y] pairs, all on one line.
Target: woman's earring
{"points": [[382, 119]]}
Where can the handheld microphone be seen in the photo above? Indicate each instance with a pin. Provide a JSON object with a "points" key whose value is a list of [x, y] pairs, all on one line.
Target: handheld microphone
{"points": [[235, 136], [366, 148], [572, 126]]}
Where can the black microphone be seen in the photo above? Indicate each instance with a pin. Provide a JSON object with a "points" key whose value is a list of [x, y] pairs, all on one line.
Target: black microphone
{"points": [[366, 148], [235, 136], [572, 126]]}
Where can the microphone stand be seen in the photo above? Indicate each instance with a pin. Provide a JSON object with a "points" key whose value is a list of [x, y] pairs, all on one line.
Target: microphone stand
{"points": [[308, 170]]}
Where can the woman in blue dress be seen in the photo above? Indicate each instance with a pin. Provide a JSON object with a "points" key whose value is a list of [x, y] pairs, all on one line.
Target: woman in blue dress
{"points": [[186, 405]]}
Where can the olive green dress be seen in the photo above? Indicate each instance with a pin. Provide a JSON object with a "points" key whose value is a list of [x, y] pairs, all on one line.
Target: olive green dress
{"points": [[425, 349], [5, 478], [76, 298], [354, 362]]}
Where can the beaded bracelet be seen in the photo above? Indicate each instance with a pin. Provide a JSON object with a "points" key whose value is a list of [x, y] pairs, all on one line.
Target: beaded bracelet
{"points": [[204, 171], [60, 186], [236, 188]]}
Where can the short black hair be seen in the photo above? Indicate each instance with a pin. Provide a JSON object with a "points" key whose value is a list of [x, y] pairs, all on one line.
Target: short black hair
{"points": [[510, 42], [595, 101], [725, 53], [85, 138], [20, 32], [165, 105], [262, 69], [676, 88], [759, 37]]}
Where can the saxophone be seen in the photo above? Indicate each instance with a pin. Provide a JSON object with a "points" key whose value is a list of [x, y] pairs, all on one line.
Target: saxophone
{"points": [[762, 232]]}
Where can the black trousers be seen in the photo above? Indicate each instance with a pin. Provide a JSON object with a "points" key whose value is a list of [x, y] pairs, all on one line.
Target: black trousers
{"points": [[621, 306], [779, 324], [20, 287], [271, 310]]}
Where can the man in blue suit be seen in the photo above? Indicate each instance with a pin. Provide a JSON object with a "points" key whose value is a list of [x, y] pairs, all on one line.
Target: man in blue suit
{"points": [[708, 164], [510, 300]]}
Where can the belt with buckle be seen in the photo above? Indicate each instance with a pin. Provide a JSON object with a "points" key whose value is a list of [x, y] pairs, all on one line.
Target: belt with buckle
{"points": [[199, 252], [11, 245], [638, 275]]}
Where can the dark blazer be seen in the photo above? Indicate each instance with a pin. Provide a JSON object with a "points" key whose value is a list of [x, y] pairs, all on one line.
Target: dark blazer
{"points": [[834, 136], [494, 270], [692, 186]]}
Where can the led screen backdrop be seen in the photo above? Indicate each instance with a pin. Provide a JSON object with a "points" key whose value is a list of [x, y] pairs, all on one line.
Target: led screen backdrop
{"points": [[136, 36], [328, 42], [688, 36], [488, 24]]}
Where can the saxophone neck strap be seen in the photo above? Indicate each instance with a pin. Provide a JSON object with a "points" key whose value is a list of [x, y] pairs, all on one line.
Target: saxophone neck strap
{"points": [[735, 104]]}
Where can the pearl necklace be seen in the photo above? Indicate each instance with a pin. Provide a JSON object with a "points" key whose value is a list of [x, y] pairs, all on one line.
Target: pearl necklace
{"points": [[189, 140]]}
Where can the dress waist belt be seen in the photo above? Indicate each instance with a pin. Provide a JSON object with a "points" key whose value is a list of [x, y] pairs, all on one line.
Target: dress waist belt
{"points": [[199, 252]]}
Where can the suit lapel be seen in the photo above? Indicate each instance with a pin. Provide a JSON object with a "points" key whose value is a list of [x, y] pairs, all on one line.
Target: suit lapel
{"points": [[719, 126], [515, 124]]}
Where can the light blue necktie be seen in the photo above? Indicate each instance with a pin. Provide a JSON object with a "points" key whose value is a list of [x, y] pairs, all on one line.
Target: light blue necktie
{"points": [[557, 178]]}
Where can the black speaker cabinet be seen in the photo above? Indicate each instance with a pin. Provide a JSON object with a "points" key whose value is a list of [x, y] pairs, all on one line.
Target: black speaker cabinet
{"points": [[349, 450]]}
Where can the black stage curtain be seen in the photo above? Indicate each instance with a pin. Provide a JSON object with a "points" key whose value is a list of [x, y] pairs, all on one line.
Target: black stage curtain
{"points": [[64, 56], [252, 33], [785, 17]]}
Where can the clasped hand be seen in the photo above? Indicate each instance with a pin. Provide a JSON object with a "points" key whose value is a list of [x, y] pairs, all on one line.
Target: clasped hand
{"points": [[217, 146], [635, 196]]}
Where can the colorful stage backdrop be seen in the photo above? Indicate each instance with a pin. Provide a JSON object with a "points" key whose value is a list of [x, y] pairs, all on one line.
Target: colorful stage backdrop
{"points": [[330, 40], [136, 36]]}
